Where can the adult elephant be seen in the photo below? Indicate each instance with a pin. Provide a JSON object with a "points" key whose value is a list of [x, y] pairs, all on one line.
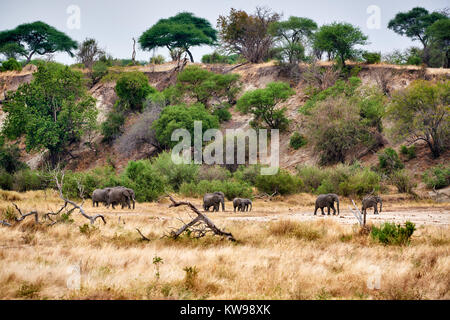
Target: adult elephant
{"points": [[130, 196], [371, 202], [100, 195], [327, 200], [214, 200], [237, 203], [119, 195]]}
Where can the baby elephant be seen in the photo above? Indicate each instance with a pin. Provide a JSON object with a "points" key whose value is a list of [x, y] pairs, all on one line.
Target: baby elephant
{"points": [[242, 204], [371, 202], [327, 200]]}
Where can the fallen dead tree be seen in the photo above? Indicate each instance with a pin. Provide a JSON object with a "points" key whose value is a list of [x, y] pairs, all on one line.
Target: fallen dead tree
{"points": [[198, 227]]}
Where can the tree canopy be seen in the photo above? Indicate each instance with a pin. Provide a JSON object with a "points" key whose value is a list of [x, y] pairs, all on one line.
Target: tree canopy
{"points": [[339, 39], [179, 32], [36, 38], [51, 111], [439, 33]]}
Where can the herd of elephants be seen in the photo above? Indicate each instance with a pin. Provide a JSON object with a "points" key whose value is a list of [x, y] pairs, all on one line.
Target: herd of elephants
{"points": [[124, 196]]}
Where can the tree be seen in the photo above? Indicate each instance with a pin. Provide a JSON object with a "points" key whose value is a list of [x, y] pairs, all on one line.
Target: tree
{"points": [[11, 50], [182, 117], [132, 88], [262, 104], [439, 33], [414, 24], [422, 112], [37, 38], [52, 111], [293, 35], [89, 52], [247, 35], [179, 32], [339, 39]]}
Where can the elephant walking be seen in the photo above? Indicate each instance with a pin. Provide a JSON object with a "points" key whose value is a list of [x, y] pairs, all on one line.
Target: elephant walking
{"points": [[327, 200], [214, 200], [120, 195], [100, 195], [371, 202], [242, 204]]}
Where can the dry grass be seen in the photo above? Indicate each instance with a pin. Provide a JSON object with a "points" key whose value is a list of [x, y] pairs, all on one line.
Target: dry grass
{"points": [[280, 259]]}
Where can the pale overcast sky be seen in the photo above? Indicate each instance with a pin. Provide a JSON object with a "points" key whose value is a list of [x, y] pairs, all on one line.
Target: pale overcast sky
{"points": [[114, 23]]}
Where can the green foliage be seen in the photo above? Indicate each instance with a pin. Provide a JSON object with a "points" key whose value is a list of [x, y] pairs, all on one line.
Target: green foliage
{"points": [[132, 88], [25, 180], [422, 110], [10, 64], [230, 188], [282, 183], [439, 33], [262, 104], [181, 31], [222, 114], [372, 57], [437, 177], [111, 128], [37, 37], [339, 39], [158, 59], [182, 117], [248, 174], [99, 70], [389, 161], [216, 57], [11, 50], [390, 233], [409, 152], [10, 158], [297, 141], [6, 180], [52, 111], [175, 174], [402, 181]]}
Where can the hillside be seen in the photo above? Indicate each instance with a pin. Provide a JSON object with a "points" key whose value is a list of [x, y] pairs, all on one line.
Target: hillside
{"points": [[252, 76]]}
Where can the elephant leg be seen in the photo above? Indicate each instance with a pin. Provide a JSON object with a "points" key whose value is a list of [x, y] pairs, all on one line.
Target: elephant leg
{"points": [[334, 209], [328, 210], [315, 210], [323, 213]]}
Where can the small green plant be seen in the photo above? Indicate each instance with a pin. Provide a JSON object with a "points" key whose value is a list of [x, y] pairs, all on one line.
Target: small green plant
{"points": [[157, 261], [297, 141], [87, 230], [372, 57], [190, 276], [402, 181], [9, 214], [390, 233], [222, 114], [10, 65], [410, 152], [389, 161], [65, 218], [437, 177], [158, 59]]}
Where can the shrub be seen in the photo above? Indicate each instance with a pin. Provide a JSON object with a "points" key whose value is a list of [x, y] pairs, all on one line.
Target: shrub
{"points": [[99, 70], [297, 141], [360, 183], [132, 88], [213, 173], [158, 59], [175, 174], [437, 177], [248, 174], [402, 181], [216, 57], [389, 162], [6, 180], [311, 176], [182, 117], [10, 158], [390, 233], [372, 57], [112, 127], [409, 152], [10, 65], [222, 114], [282, 183], [25, 180]]}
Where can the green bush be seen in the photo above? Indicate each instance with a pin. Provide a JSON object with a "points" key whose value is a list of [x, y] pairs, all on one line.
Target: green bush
{"points": [[132, 88], [10, 65], [112, 127], [25, 180], [297, 141], [311, 176], [6, 180], [437, 177], [389, 162], [248, 174], [10, 158], [230, 188], [175, 174], [390, 233], [372, 57], [360, 183], [216, 57], [158, 59], [408, 152], [99, 70], [402, 181], [213, 173], [282, 183], [182, 117], [222, 114]]}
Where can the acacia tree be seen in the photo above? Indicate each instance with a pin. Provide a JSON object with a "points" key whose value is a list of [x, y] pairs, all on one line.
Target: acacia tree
{"points": [[37, 38], [247, 35], [50, 112], [439, 33], [422, 112], [414, 24], [88, 52], [293, 35], [339, 39], [178, 34]]}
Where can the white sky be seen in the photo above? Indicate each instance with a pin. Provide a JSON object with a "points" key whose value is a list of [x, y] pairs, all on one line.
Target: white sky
{"points": [[115, 22]]}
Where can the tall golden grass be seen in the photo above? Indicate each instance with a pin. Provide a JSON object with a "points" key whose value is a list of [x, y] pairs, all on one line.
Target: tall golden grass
{"points": [[281, 258]]}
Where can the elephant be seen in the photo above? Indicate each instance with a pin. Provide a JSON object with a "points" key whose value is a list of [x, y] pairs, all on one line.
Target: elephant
{"points": [[120, 195], [327, 200], [371, 202], [100, 195], [214, 200], [246, 205], [237, 204]]}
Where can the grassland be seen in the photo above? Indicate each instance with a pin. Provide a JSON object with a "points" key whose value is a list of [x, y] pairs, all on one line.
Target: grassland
{"points": [[282, 252]]}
